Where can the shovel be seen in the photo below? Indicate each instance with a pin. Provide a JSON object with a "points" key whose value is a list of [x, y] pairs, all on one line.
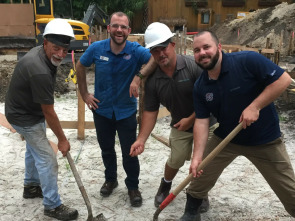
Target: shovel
{"points": [[203, 164], [99, 217]]}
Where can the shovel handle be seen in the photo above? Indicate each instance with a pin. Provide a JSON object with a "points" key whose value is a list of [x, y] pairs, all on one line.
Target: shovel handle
{"points": [[209, 158], [80, 185], [74, 170]]}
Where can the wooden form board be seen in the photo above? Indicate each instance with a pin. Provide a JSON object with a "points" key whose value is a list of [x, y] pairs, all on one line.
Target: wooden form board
{"points": [[81, 124]]}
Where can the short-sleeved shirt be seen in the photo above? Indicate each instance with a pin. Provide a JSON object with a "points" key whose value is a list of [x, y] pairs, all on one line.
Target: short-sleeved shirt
{"points": [[113, 76], [174, 93], [244, 75], [31, 85]]}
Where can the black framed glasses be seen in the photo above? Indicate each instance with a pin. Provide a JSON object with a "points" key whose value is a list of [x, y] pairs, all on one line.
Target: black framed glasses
{"points": [[116, 26]]}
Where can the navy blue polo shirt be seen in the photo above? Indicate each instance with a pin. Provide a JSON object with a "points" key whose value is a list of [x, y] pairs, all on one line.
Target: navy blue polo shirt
{"points": [[113, 76], [244, 75]]}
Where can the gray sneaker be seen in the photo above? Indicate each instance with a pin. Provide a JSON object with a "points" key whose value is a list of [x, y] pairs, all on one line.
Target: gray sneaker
{"points": [[62, 212]]}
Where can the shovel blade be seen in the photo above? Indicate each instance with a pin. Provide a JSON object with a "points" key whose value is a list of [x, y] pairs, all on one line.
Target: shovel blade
{"points": [[99, 217]]}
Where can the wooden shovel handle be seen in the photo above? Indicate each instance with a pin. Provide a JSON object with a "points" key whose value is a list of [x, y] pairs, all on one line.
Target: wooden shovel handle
{"points": [[209, 158], [80, 185]]}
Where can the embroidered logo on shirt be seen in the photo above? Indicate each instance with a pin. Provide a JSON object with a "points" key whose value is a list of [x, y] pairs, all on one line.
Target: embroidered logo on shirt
{"points": [[104, 58], [209, 97], [127, 56], [184, 80], [234, 89], [272, 73]]}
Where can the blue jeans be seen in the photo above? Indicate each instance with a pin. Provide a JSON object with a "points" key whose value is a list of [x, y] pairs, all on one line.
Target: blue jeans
{"points": [[106, 132], [41, 166]]}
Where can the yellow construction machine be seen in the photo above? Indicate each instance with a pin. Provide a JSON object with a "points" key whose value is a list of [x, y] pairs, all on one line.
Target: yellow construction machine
{"points": [[46, 10]]}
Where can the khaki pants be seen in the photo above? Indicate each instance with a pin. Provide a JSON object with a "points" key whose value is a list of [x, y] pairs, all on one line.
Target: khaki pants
{"points": [[270, 159], [181, 144]]}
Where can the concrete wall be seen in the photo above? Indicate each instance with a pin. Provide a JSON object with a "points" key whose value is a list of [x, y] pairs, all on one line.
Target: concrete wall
{"points": [[17, 20]]}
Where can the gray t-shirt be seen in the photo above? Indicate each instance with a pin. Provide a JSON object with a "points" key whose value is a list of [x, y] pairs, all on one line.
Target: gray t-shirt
{"points": [[175, 93], [31, 85]]}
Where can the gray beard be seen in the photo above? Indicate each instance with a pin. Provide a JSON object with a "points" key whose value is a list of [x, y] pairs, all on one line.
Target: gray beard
{"points": [[56, 64]]}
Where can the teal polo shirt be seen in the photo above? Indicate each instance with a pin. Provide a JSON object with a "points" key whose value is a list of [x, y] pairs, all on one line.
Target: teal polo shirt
{"points": [[113, 76]]}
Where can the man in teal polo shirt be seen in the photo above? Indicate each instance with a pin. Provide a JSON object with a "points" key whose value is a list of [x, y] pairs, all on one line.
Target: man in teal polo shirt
{"points": [[114, 105]]}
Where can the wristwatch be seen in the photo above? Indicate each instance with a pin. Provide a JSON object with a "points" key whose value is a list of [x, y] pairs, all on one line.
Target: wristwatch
{"points": [[140, 75]]}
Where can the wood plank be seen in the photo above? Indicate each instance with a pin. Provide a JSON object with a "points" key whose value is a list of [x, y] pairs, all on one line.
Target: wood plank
{"points": [[74, 124], [268, 51], [250, 49], [81, 117], [231, 48], [162, 139]]}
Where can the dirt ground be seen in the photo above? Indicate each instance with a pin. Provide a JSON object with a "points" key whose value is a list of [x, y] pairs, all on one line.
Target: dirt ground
{"points": [[240, 194], [276, 23]]}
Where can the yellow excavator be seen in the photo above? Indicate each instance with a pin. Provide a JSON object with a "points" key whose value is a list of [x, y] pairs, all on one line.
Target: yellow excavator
{"points": [[46, 10]]}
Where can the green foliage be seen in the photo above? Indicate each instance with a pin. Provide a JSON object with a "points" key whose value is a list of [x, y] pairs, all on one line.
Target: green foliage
{"points": [[127, 6], [14, 1], [283, 118]]}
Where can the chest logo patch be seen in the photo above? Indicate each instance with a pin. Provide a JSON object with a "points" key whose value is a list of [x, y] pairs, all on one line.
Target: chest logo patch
{"points": [[272, 73], [127, 57], [209, 97], [104, 58]]}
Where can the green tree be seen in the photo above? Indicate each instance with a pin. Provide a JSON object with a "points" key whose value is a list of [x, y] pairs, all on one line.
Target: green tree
{"points": [[127, 6]]}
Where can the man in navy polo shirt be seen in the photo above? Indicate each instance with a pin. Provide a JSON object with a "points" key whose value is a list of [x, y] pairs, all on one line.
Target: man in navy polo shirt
{"points": [[238, 87], [117, 77]]}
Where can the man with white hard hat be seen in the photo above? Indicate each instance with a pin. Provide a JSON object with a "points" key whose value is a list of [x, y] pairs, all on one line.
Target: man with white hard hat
{"points": [[171, 85], [29, 103]]}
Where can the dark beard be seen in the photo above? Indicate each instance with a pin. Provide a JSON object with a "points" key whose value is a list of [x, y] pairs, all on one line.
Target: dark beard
{"points": [[118, 43], [212, 64]]}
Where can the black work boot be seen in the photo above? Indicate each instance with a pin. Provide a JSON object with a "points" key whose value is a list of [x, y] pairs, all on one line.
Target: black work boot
{"points": [[205, 205], [107, 188], [31, 192], [192, 209], [162, 193], [135, 198], [62, 212]]}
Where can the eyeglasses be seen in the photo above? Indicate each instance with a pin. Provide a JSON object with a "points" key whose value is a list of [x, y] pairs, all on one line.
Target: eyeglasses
{"points": [[116, 26]]}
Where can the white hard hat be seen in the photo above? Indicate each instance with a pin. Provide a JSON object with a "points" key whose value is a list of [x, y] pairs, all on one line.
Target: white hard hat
{"points": [[59, 32], [157, 33], [59, 26]]}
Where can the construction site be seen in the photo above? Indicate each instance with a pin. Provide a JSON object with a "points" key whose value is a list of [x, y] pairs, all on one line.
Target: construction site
{"points": [[241, 193]]}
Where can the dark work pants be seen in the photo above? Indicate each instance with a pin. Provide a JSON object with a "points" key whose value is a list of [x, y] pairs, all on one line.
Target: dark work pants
{"points": [[106, 132]]}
